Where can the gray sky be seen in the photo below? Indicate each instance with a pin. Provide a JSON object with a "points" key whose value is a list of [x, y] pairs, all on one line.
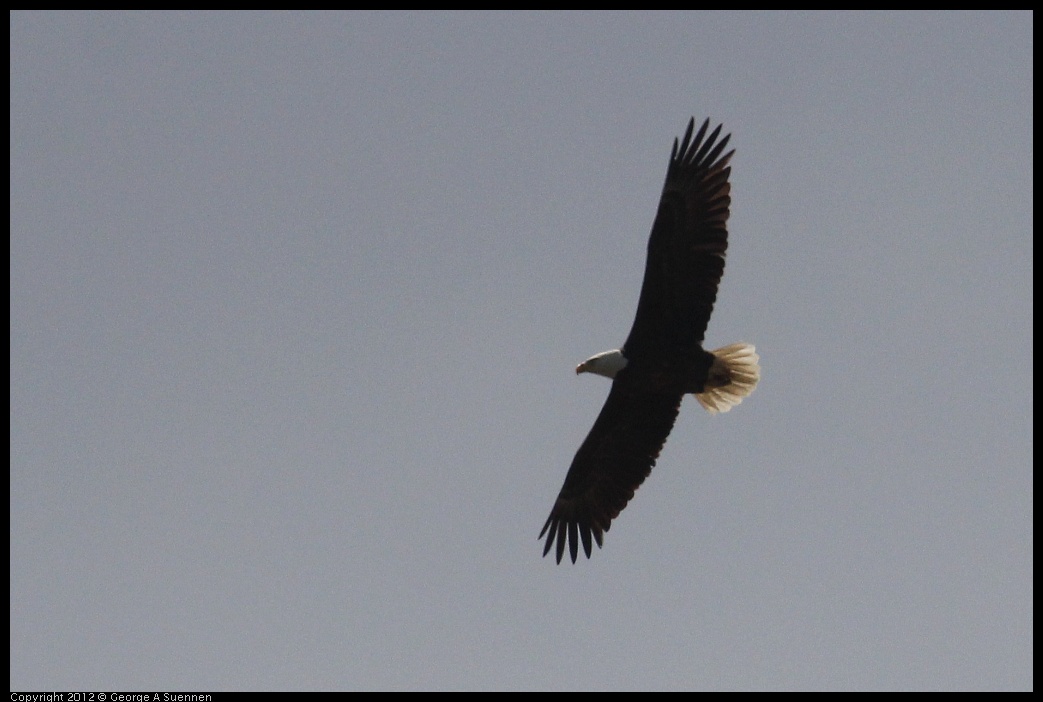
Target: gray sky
{"points": [[296, 304]]}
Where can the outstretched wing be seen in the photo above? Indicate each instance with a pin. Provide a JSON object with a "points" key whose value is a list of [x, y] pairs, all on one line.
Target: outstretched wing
{"points": [[616, 457], [686, 248]]}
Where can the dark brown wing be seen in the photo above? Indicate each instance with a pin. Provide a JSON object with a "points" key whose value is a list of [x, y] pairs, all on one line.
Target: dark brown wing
{"points": [[686, 248], [616, 457]]}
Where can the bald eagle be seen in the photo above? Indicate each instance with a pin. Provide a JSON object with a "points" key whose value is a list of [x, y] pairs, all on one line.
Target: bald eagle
{"points": [[662, 359]]}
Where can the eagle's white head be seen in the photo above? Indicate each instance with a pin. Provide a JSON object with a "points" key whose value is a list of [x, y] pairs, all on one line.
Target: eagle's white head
{"points": [[606, 363]]}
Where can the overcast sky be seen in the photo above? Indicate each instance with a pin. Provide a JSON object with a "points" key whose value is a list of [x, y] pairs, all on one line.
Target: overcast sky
{"points": [[296, 302]]}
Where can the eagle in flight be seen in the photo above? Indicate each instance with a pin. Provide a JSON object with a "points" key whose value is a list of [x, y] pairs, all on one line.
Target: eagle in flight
{"points": [[663, 358]]}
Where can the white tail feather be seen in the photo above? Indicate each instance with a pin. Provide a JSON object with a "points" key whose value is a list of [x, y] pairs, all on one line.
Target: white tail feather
{"points": [[733, 376]]}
